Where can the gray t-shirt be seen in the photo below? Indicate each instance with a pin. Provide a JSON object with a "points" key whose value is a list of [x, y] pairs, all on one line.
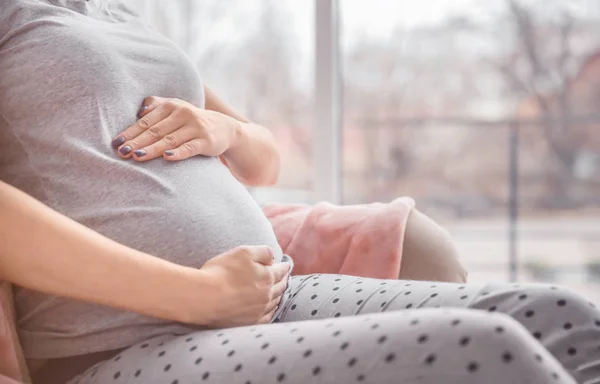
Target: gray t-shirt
{"points": [[73, 74]]}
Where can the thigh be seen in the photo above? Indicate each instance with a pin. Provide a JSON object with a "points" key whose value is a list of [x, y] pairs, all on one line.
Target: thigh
{"points": [[566, 324], [322, 296], [418, 346]]}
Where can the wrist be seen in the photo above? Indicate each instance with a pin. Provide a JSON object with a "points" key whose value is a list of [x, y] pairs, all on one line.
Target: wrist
{"points": [[238, 136], [194, 297]]}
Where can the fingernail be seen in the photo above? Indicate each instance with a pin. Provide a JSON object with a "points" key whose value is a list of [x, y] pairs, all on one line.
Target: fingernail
{"points": [[140, 153], [169, 153], [118, 141], [142, 109], [125, 150]]}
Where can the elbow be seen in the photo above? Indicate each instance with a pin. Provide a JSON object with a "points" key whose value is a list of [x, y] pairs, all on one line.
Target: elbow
{"points": [[266, 175], [272, 169], [271, 181]]}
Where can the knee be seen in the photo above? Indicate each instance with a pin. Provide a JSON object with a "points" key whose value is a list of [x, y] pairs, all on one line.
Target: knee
{"points": [[480, 341], [494, 330], [558, 298], [498, 330]]}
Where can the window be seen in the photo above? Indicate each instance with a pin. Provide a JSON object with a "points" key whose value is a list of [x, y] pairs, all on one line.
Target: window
{"points": [[487, 113], [257, 55]]}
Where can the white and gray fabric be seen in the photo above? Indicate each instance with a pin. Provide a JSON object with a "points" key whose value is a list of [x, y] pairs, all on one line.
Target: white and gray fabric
{"points": [[342, 329]]}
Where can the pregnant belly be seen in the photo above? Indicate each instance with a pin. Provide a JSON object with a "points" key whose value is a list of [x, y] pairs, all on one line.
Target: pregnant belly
{"points": [[186, 212]]}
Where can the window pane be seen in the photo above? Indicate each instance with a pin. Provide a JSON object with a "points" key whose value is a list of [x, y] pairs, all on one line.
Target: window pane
{"points": [[257, 55], [431, 92]]}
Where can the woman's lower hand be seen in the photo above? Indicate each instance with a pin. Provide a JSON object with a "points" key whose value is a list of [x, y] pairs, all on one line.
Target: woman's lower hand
{"points": [[176, 130], [248, 286]]}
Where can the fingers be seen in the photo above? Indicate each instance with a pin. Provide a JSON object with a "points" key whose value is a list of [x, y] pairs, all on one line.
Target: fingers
{"points": [[149, 104], [166, 142], [267, 318], [277, 292], [128, 138], [278, 289], [280, 271], [186, 150], [261, 254], [146, 146], [163, 130], [272, 306]]}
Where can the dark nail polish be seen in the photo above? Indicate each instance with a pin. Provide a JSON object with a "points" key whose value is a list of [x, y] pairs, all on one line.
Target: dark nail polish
{"points": [[142, 109], [125, 150], [118, 141], [169, 153], [140, 153]]}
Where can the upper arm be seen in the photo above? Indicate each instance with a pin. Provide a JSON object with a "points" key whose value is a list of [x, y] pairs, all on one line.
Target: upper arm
{"points": [[214, 103]]}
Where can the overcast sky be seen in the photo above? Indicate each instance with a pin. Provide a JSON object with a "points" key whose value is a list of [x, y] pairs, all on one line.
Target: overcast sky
{"points": [[379, 18]]}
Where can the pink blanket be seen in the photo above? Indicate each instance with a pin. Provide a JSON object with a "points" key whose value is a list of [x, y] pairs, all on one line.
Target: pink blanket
{"points": [[360, 240]]}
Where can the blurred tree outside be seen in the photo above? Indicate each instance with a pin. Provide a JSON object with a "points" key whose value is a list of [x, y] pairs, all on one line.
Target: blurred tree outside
{"points": [[526, 61], [553, 71]]}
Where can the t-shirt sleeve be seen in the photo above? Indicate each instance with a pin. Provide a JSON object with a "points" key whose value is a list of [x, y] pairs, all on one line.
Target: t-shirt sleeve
{"points": [[11, 16], [18, 58], [7, 14], [14, 52], [5, 10], [11, 11]]}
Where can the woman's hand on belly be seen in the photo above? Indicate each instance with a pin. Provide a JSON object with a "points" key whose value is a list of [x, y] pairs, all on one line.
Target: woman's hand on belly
{"points": [[176, 130], [247, 287]]}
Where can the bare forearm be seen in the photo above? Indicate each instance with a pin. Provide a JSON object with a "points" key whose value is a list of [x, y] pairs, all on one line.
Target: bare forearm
{"points": [[45, 251], [254, 159]]}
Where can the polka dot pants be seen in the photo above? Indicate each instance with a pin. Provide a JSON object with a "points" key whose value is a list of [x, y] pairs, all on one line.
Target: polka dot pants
{"points": [[343, 329]]}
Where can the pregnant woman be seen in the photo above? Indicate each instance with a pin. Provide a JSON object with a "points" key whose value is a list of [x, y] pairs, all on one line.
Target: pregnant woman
{"points": [[165, 179]]}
